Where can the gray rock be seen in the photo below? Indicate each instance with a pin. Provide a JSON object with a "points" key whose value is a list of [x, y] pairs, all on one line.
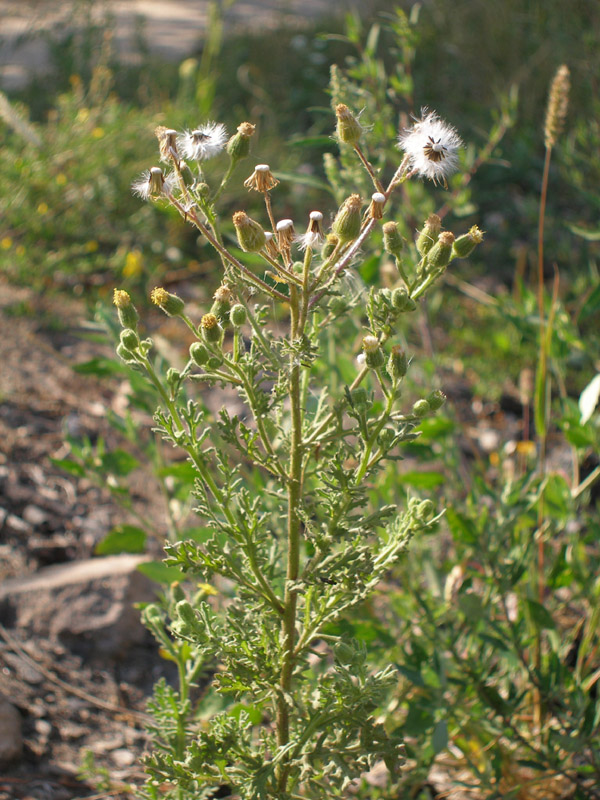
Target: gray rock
{"points": [[11, 739], [86, 605]]}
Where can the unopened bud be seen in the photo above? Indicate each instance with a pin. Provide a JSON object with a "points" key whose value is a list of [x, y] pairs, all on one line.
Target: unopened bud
{"points": [[429, 234], [400, 298], [393, 242], [170, 303], [199, 354], [360, 399], [128, 316], [237, 315], [348, 128], [347, 222], [126, 354], [238, 146], [420, 408], [436, 399], [222, 305], [397, 365], [464, 245], [129, 339], [440, 254], [331, 242], [425, 510], [211, 329], [173, 376], [377, 204], [250, 234]]}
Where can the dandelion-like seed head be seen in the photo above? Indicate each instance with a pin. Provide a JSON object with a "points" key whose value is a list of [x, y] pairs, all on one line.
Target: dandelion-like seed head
{"points": [[203, 142], [149, 184], [285, 233], [377, 203], [431, 146], [262, 179], [314, 235], [167, 143]]}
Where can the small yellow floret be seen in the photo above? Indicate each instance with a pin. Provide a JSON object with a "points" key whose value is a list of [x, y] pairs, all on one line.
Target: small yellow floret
{"points": [[121, 298], [159, 296]]}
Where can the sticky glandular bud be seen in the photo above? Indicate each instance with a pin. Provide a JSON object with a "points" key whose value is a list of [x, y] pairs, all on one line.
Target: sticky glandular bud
{"points": [[238, 315], [397, 365], [173, 376], [250, 234], [347, 222], [348, 128], [393, 242], [436, 399], [421, 408], [440, 254], [199, 354], [464, 245], [129, 339], [429, 234], [400, 298], [238, 146]]}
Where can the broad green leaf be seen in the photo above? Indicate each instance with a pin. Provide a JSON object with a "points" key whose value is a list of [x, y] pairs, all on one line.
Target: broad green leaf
{"points": [[422, 480], [540, 615], [439, 740], [119, 462], [101, 367], [72, 467], [122, 539], [160, 573]]}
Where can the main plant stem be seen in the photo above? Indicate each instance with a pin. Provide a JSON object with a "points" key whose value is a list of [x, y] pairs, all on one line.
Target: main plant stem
{"points": [[288, 629]]}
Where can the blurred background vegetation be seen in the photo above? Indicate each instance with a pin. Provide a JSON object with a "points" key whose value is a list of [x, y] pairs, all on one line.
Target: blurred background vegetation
{"points": [[77, 137]]}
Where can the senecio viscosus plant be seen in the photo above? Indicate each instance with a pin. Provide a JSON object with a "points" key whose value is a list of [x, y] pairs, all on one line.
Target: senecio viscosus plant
{"points": [[283, 487]]}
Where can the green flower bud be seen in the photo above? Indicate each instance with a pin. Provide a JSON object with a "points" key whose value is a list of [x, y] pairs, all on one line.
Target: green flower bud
{"points": [[348, 220], [170, 303], [400, 298], [436, 399], [397, 365], [429, 234], [211, 329], [425, 511], [238, 146], [440, 254], [375, 359], [173, 376], [128, 316], [250, 235], [348, 129], [199, 354], [343, 653], [222, 305], [129, 339], [214, 362], [464, 245], [393, 242], [331, 242], [125, 354], [360, 399], [420, 408], [238, 315]]}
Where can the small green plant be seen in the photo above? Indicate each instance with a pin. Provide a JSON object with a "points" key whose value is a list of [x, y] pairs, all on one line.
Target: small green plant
{"points": [[293, 540]]}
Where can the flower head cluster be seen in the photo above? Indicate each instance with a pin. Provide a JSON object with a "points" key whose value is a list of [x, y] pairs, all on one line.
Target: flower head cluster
{"points": [[431, 146], [203, 142]]}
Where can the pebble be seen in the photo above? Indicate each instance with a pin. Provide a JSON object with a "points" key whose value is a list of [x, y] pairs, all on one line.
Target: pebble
{"points": [[11, 737]]}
